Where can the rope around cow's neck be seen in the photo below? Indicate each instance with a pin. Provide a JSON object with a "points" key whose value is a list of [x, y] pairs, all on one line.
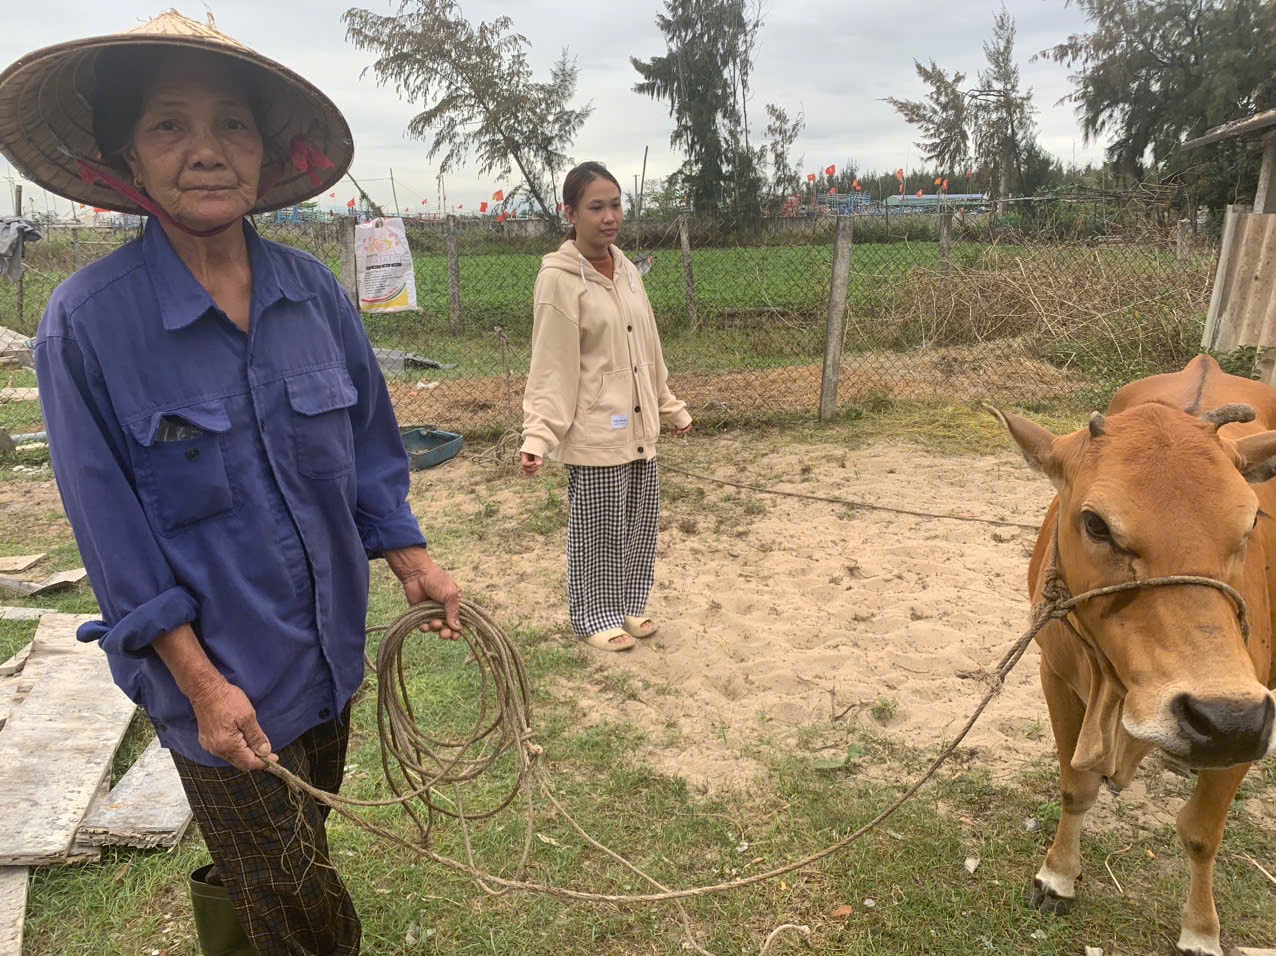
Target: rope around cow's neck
{"points": [[418, 767]]}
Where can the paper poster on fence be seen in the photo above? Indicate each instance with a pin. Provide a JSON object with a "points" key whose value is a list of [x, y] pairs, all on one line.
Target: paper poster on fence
{"points": [[387, 281]]}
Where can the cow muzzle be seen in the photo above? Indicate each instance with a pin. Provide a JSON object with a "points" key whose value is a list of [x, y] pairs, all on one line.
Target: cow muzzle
{"points": [[1221, 732]]}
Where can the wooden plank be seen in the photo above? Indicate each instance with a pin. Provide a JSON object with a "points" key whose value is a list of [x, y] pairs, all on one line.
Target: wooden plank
{"points": [[147, 808], [1246, 951], [8, 698], [19, 563], [13, 908], [15, 663], [8, 613], [19, 394], [57, 747], [54, 582], [1265, 195], [1250, 124]]}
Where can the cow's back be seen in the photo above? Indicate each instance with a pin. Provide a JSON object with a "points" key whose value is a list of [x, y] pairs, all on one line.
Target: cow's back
{"points": [[1200, 386]]}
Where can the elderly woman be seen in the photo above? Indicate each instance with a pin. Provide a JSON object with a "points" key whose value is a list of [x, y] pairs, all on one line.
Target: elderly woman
{"points": [[224, 445]]}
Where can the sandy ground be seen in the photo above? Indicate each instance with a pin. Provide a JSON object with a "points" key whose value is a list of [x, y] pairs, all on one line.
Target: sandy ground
{"points": [[775, 621]]}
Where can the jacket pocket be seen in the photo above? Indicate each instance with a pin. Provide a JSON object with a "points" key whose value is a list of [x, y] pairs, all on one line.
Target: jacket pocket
{"points": [[612, 408], [322, 436], [180, 465]]}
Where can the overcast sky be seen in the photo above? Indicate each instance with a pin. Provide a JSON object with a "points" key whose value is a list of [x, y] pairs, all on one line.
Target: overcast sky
{"points": [[833, 61]]}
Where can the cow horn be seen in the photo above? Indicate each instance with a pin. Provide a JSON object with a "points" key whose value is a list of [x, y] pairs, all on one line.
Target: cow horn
{"points": [[1097, 424], [1226, 414]]}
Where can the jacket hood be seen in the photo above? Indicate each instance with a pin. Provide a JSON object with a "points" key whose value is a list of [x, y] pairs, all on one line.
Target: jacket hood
{"points": [[569, 258]]}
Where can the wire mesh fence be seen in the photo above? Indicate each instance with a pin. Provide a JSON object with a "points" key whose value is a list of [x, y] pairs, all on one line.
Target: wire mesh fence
{"points": [[1039, 305]]}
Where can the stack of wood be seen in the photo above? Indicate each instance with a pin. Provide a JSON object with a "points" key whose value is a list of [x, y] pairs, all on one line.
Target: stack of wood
{"points": [[61, 721]]}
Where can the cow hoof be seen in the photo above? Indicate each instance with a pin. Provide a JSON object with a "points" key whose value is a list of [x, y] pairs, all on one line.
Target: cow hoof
{"points": [[1197, 944], [1045, 899]]}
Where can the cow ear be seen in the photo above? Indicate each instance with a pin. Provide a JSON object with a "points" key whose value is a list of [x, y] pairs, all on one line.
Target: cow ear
{"points": [[1256, 457], [1035, 442]]}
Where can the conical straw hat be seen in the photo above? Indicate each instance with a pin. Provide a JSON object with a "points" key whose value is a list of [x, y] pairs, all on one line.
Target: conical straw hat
{"points": [[46, 114]]}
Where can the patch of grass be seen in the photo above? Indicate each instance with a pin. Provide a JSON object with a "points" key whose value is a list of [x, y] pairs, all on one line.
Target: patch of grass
{"points": [[15, 635], [884, 709]]}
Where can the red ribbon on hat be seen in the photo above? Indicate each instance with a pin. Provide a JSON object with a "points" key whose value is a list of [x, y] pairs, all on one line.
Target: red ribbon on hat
{"points": [[309, 159]]}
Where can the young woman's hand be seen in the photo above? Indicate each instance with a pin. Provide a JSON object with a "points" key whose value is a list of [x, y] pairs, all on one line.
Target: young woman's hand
{"points": [[681, 431], [531, 463]]}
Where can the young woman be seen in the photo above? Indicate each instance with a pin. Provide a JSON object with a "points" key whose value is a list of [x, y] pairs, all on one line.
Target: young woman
{"points": [[597, 395]]}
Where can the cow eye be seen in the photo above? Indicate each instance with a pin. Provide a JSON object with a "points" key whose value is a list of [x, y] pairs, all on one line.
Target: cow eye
{"points": [[1096, 527]]}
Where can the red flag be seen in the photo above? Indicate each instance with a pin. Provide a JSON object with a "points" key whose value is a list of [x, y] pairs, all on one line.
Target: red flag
{"points": [[97, 210], [831, 171], [560, 207], [501, 218], [901, 189], [856, 184], [498, 196], [460, 205], [945, 186], [833, 191], [425, 202], [938, 182], [332, 195], [482, 207], [350, 204], [899, 174], [919, 194], [810, 177]]}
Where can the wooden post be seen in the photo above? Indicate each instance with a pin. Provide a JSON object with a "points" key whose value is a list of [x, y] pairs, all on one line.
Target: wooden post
{"points": [[1213, 320], [835, 336], [684, 234], [349, 267], [1182, 246], [1265, 197], [454, 275], [17, 212], [945, 239]]}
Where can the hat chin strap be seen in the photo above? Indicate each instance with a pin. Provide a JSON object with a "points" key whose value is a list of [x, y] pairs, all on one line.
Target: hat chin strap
{"points": [[304, 156]]}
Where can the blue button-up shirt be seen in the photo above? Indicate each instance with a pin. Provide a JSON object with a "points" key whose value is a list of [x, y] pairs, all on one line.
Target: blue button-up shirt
{"points": [[238, 482]]}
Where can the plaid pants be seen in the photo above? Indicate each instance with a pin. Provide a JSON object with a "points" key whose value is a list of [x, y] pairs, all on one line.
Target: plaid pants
{"points": [[612, 526], [270, 847]]}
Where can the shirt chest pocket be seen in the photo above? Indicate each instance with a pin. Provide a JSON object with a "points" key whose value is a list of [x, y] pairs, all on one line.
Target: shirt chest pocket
{"points": [[180, 465], [322, 436]]}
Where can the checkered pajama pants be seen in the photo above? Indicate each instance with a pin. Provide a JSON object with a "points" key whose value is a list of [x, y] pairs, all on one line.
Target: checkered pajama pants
{"points": [[270, 849], [612, 526]]}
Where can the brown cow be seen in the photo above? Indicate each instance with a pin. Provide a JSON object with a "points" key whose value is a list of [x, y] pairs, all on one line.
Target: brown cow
{"points": [[1170, 482]]}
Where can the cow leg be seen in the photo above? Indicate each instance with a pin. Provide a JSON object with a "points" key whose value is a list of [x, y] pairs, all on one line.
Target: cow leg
{"points": [[1054, 888], [1200, 827]]}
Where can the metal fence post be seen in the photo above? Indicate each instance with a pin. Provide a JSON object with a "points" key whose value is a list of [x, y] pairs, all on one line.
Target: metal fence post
{"points": [[349, 268], [835, 336], [454, 276], [945, 239], [684, 234], [17, 212], [1181, 246]]}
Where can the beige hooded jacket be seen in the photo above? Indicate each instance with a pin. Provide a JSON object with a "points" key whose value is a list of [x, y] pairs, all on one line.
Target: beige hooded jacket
{"points": [[597, 392]]}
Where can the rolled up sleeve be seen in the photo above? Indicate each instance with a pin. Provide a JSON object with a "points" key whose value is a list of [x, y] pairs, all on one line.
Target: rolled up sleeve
{"points": [[383, 516], [138, 595]]}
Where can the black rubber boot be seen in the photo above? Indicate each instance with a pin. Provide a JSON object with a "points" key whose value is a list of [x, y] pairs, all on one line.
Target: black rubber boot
{"points": [[215, 921]]}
